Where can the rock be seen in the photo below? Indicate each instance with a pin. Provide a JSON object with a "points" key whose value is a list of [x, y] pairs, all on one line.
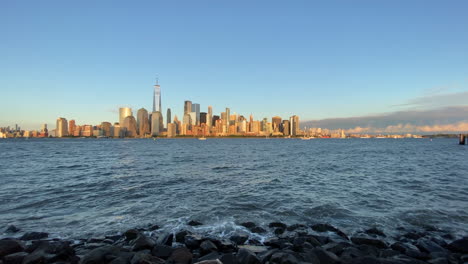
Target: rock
{"points": [[229, 259], [216, 261], [283, 258], [438, 261], [10, 246], [34, 236], [142, 242], [248, 225], [279, 231], [162, 251], [193, 241], [145, 258], [322, 239], [413, 235], [194, 223], [387, 253], [255, 249], [265, 256], [246, 256], [369, 250], [165, 239], [38, 257], [153, 227], [460, 245], [210, 256], [336, 248], [273, 242], [100, 255], [131, 234], [325, 257], [180, 236], [329, 228], [428, 246], [277, 225], [239, 239], [258, 230], [207, 246], [113, 237], [12, 229], [15, 258], [225, 245], [295, 226], [375, 231], [180, 256], [369, 241]]}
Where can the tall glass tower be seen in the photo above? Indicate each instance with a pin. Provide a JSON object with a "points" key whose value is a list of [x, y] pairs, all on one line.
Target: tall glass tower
{"points": [[157, 97]]}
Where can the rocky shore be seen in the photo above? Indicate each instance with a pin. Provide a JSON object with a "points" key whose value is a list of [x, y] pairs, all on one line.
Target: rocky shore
{"points": [[298, 243]]}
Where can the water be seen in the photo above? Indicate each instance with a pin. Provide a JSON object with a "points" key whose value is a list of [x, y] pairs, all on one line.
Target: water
{"points": [[82, 187]]}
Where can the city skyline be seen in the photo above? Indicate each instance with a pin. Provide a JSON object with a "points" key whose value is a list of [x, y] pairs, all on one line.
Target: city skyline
{"points": [[326, 62]]}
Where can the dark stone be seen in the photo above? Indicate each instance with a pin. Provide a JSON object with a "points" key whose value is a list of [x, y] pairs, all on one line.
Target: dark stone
{"points": [[325, 257], [387, 253], [369, 250], [248, 225], [34, 236], [413, 235], [460, 245], [165, 239], [440, 241], [351, 253], [283, 258], [180, 236], [265, 256], [15, 258], [258, 230], [180, 256], [322, 239], [153, 227], [246, 256], [145, 258], [142, 242], [38, 257], [273, 242], [10, 246], [229, 258], [369, 241], [216, 261], [100, 255], [162, 251], [95, 240], [113, 237], [277, 225], [12, 229], [207, 246], [295, 226], [428, 246], [375, 231], [193, 241], [239, 239], [210, 256], [225, 245], [131, 234], [438, 261], [329, 228], [279, 231], [336, 248], [194, 223]]}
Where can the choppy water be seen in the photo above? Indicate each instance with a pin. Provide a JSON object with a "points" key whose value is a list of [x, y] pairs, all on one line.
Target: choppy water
{"points": [[78, 187]]}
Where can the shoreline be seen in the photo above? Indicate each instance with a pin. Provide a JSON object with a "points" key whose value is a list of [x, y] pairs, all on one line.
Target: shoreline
{"points": [[297, 243]]}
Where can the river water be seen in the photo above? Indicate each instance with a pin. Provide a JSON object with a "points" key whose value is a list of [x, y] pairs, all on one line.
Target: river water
{"points": [[82, 187]]}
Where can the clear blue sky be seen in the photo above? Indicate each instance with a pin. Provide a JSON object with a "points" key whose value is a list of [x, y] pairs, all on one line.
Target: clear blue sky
{"points": [[83, 59]]}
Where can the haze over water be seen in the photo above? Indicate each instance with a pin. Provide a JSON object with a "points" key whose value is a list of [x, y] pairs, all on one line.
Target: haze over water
{"points": [[76, 187]]}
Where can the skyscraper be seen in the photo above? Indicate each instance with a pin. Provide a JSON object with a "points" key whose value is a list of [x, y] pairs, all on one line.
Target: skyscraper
{"points": [[276, 122], [228, 117], [157, 97], [142, 122], [294, 125], [168, 118], [209, 117], [157, 123], [123, 113], [129, 126], [187, 107], [71, 127], [196, 110], [62, 127], [203, 118]]}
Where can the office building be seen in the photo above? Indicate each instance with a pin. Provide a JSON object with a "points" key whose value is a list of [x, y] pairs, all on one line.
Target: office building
{"points": [[168, 117], [196, 110], [123, 113], [157, 98], [187, 107], [61, 129], [130, 126], [143, 126], [157, 124]]}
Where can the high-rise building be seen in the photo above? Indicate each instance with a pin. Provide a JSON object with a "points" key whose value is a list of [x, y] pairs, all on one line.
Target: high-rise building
{"points": [[209, 117], [157, 97], [203, 118], [294, 125], [228, 117], [187, 107], [71, 127], [196, 110], [62, 127], [157, 124], [168, 117], [129, 126], [171, 130], [115, 130], [187, 120], [276, 122], [106, 129], [123, 113], [142, 122], [214, 119], [286, 131]]}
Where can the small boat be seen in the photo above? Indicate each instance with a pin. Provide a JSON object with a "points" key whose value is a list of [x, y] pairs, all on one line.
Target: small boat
{"points": [[202, 138]]}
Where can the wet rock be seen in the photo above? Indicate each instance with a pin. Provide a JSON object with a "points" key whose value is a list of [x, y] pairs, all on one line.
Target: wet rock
{"points": [[113, 237], [229, 258], [165, 239], [239, 239], [254, 249], [439, 241], [258, 230], [180, 236], [162, 251], [153, 227], [100, 255], [375, 231], [428, 246], [207, 246], [369, 241], [277, 225], [248, 225], [295, 226], [413, 235], [38, 257], [15, 258], [94, 245], [438, 261], [216, 261], [460, 245], [192, 241], [273, 242], [145, 258], [210, 256], [329, 228], [142, 242], [283, 258], [194, 223], [265, 256], [387, 253], [225, 245], [10, 246], [34, 236], [131, 234], [12, 229], [322, 239], [180, 256], [279, 231], [350, 253], [336, 248], [325, 257], [246, 256]]}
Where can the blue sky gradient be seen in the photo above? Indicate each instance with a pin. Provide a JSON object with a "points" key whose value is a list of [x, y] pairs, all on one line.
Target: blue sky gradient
{"points": [[83, 59]]}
